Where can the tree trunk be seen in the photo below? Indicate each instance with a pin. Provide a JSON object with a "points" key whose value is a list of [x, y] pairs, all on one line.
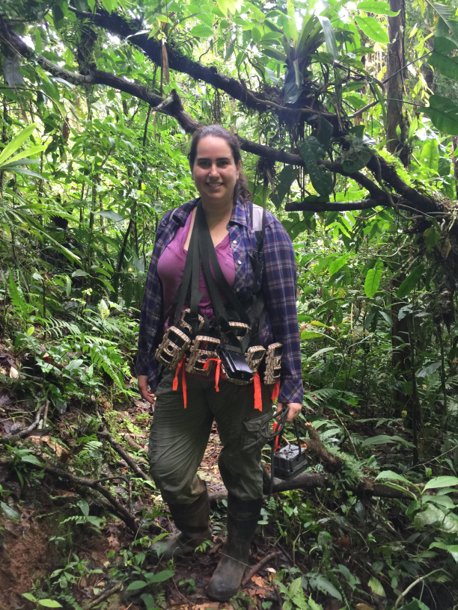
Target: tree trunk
{"points": [[395, 84]]}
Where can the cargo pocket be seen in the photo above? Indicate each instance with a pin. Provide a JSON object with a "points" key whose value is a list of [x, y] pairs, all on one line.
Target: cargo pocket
{"points": [[255, 431]]}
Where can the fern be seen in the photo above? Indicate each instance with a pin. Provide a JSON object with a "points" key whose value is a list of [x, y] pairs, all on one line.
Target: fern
{"points": [[17, 297], [58, 328], [109, 360]]}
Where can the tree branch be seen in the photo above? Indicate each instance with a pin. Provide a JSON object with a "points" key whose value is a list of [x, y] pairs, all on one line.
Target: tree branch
{"points": [[332, 206], [129, 460], [172, 106], [116, 24]]}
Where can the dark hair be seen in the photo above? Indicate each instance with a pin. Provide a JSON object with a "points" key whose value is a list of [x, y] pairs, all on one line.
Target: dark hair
{"points": [[241, 191]]}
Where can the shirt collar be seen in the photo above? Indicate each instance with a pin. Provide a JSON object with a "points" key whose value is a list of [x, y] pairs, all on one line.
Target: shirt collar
{"points": [[181, 214], [239, 213]]}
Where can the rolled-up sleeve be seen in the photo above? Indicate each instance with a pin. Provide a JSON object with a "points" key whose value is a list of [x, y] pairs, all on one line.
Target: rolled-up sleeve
{"points": [[280, 293]]}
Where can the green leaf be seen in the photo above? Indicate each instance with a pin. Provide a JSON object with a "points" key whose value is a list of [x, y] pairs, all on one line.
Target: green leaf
{"points": [[74, 364], [442, 59], [430, 155], [148, 600], [160, 576], [443, 113], [389, 474], [439, 482], [428, 370], [372, 282], [31, 459], [432, 237], [320, 582], [49, 603], [12, 147], [137, 585], [286, 179], [410, 282], [450, 548], [309, 334], [202, 31], [376, 586], [10, 513], [429, 516], [322, 351], [222, 6], [378, 7], [384, 439], [321, 180], [329, 36], [337, 264], [358, 156], [29, 596], [373, 30]]}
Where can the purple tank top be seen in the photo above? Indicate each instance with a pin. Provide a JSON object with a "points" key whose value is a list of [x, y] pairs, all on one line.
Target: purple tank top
{"points": [[170, 268]]}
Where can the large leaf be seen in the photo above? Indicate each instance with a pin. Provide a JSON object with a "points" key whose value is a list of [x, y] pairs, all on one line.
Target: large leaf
{"points": [[357, 157], [137, 585], [160, 576], [18, 141], [111, 215], [443, 113], [329, 36], [430, 155], [373, 30], [376, 586], [202, 31], [9, 512], [389, 474], [383, 439], [372, 282], [337, 264], [321, 180], [410, 282], [440, 482], [286, 179], [377, 7], [442, 58]]}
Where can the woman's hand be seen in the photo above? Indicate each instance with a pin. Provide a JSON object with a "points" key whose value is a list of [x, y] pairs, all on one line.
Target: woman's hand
{"points": [[144, 389], [294, 409]]}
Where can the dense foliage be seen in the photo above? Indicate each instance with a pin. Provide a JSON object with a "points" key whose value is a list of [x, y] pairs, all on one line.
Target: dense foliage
{"points": [[357, 158]]}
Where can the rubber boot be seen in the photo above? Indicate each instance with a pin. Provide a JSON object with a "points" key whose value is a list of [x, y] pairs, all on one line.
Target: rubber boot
{"points": [[193, 521], [242, 519]]}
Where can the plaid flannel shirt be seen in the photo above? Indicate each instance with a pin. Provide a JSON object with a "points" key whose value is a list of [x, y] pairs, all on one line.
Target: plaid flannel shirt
{"points": [[279, 286]]}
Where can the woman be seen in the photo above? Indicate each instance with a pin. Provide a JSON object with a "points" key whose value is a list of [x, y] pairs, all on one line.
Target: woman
{"points": [[186, 404]]}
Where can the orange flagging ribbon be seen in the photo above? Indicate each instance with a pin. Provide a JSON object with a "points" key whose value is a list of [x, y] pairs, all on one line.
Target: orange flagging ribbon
{"points": [[276, 391], [217, 372], [257, 392], [277, 442], [183, 380]]}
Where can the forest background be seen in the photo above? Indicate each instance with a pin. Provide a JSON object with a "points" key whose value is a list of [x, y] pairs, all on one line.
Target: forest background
{"points": [[347, 113]]}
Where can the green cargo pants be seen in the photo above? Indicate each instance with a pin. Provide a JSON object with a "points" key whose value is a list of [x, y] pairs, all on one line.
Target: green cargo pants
{"points": [[179, 437]]}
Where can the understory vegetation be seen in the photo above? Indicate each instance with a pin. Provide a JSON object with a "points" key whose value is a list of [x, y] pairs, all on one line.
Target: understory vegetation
{"points": [[347, 114]]}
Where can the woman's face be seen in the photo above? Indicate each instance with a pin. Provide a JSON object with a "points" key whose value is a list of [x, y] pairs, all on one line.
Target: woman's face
{"points": [[215, 172]]}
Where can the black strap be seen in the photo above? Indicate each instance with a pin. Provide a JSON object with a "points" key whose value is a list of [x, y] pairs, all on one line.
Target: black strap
{"points": [[207, 249], [191, 271], [202, 252]]}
